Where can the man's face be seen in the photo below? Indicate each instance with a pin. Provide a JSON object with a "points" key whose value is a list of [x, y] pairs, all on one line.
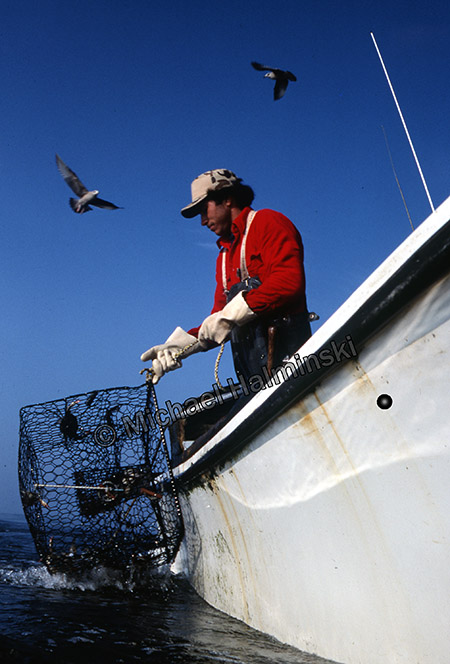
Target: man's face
{"points": [[217, 216]]}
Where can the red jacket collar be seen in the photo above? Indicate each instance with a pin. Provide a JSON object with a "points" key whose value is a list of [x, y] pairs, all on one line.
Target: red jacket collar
{"points": [[237, 229]]}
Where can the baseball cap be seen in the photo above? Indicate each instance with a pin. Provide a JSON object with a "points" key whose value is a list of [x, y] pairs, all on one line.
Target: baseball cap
{"points": [[204, 184]]}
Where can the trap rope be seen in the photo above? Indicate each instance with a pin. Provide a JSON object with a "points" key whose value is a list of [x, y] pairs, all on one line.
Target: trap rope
{"points": [[179, 354]]}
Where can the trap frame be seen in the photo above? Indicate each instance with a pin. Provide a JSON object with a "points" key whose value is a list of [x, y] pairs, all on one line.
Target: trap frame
{"points": [[96, 482]]}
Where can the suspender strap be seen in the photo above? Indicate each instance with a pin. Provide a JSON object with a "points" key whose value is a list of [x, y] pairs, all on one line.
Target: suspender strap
{"points": [[243, 263], [244, 271], [224, 271]]}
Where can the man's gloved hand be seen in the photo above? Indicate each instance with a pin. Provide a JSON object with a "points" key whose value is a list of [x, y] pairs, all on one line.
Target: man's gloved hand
{"points": [[164, 356], [217, 327]]}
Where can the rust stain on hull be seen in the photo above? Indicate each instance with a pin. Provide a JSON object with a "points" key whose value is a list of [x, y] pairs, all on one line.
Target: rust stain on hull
{"points": [[235, 550]]}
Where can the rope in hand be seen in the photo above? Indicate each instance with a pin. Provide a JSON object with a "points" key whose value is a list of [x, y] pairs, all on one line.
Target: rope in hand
{"points": [[150, 372]]}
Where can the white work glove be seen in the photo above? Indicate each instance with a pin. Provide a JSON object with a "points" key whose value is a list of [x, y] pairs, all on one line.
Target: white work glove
{"points": [[164, 356], [217, 327]]}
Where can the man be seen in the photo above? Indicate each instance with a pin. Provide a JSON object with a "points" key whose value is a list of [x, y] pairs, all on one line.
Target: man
{"points": [[260, 300]]}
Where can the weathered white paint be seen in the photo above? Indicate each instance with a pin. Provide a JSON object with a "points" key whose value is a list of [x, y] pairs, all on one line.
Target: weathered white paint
{"points": [[330, 530]]}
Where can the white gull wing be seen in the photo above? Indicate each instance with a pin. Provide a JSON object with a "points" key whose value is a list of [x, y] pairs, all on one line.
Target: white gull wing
{"points": [[71, 178]]}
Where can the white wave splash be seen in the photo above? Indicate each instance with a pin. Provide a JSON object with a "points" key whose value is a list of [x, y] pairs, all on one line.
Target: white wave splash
{"points": [[37, 575]]}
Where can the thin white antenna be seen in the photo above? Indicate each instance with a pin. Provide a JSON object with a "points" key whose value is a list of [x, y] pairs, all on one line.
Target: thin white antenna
{"points": [[404, 123]]}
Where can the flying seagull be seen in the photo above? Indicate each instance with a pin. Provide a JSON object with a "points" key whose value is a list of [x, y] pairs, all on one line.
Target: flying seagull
{"points": [[281, 78], [86, 198]]}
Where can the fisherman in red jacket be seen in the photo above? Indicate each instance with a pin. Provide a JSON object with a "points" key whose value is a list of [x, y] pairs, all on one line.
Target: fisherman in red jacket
{"points": [[260, 301]]}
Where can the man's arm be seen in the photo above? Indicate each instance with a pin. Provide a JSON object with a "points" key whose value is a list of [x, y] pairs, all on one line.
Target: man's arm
{"points": [[275, 249]]}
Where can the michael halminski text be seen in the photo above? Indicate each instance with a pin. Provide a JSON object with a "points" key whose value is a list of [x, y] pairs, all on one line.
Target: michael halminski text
{"points": [[294, 368]]}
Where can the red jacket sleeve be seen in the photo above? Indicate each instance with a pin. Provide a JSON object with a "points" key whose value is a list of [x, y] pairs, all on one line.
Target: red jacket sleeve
{"points": [[275, 254]]}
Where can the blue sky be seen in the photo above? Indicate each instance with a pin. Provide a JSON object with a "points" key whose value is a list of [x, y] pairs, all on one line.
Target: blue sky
{"points": [[140, 97]]}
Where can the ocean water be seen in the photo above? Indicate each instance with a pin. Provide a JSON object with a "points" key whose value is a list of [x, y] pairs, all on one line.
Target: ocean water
{"points": [[158, 620]]}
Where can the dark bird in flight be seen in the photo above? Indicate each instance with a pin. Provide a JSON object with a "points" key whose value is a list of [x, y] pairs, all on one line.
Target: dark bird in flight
{"points": [[86, 198], [280, 77]]}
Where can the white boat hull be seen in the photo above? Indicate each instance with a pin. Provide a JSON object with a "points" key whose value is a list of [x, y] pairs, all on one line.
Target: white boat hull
{"points": [[330, 528]]}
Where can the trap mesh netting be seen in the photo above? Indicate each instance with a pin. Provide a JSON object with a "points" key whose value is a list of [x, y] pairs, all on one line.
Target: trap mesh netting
{"points": [[96, 483]]}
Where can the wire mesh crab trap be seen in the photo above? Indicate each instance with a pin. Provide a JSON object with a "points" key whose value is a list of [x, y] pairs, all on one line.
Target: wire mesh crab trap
{"points": [[96, 482]]}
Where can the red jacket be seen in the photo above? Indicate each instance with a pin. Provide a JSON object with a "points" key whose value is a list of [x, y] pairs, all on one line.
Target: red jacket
{"points": [[274, 253]]}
